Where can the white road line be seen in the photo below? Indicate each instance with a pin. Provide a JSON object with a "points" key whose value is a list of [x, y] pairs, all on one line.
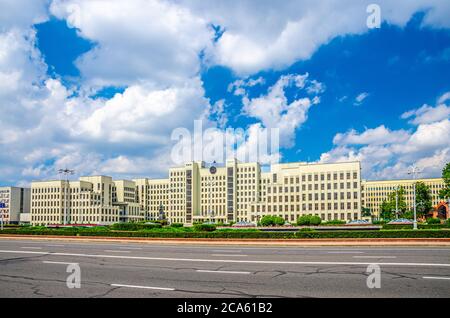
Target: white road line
{"points": [[55, 245], [32, 247], [346, 252], [61, 263], [200, 260], [431, 277], [130, 248], [116, 251], [222, 272], [142, 287], [233, 255], [376, 257], [284, 248]]}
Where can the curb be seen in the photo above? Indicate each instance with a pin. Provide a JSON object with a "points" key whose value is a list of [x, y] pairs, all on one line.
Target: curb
{"points": [[254, 242]]}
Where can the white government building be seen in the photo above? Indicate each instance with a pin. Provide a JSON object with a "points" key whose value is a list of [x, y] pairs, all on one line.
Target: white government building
{"points": [[231, 193]]}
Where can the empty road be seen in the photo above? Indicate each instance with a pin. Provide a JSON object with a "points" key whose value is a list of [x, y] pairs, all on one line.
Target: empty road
{"points": [[38, 268]]}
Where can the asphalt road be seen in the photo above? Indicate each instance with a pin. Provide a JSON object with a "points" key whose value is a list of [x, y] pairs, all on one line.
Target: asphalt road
{"points": [[37, 268]]}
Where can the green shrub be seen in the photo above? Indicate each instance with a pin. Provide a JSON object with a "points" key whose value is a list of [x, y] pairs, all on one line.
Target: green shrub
{"points": [[134, 226], [278, 220], [306, 229], [410, 226], [334, 222], [205, 227], [268, 220], [238, 234], [177, 225], [315, 220], [304, 220], [433, 221], [162, 222], [309, 220]]}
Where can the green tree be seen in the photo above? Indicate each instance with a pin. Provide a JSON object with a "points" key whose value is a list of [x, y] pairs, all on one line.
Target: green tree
{"points": [[401, 201], [444, 193], [423, 199], [309, 220], [366, 212], [267, 220], [395, 199], [386, 210]]}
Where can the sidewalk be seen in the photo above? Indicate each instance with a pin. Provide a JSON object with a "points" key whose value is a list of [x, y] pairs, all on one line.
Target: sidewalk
{"points": [[248, 242]]}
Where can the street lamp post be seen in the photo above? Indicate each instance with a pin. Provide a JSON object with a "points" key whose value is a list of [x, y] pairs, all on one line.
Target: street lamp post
{"points": [[2, 206], [66, 172], [396, 201], [414, 171]]}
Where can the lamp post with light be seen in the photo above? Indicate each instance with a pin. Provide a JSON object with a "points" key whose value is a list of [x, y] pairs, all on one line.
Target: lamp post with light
{"points": [[2, 206], [414, 171], [66, 172]]}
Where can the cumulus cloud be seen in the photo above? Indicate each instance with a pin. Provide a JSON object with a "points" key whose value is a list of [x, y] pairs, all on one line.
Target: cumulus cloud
{"points": [[258, 35], [377, 136], [138, 40], [428, 114], [156, 49], [388, 154], [45, 126], [275, 111]]}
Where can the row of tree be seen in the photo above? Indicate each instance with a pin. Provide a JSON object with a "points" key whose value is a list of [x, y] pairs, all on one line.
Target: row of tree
{"points": [[396, 200]]}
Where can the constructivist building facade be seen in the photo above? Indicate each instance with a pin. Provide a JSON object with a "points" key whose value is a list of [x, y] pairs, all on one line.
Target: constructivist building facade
{"points": [[242, 192], [14, 203], [375, 192], [91, 200], [331, 191], [233, 192]]}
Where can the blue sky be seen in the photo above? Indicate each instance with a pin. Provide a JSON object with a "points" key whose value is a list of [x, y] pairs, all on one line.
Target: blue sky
{"points": [[103, 95]]}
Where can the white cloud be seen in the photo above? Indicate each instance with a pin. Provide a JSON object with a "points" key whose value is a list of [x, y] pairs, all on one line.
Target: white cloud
{"points": [[162, 40], [275, 111], [360, 98], [145, 116], [22, 13], [260, 36], [138, 40], [428, 114], [239, 86], [46, 127], [445, 97], [377, 136], [154, 49], [387, 154]]}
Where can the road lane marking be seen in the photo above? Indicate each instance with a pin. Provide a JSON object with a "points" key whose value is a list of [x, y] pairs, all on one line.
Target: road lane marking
{"points": [[431, 277], [32, 247], [200, 260], [142, 287], [346, 252], [222, 272], [376, 257], [116, 251], [130, 248], [55, 245], [60, 263], [277, 248], [233, 255]]}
